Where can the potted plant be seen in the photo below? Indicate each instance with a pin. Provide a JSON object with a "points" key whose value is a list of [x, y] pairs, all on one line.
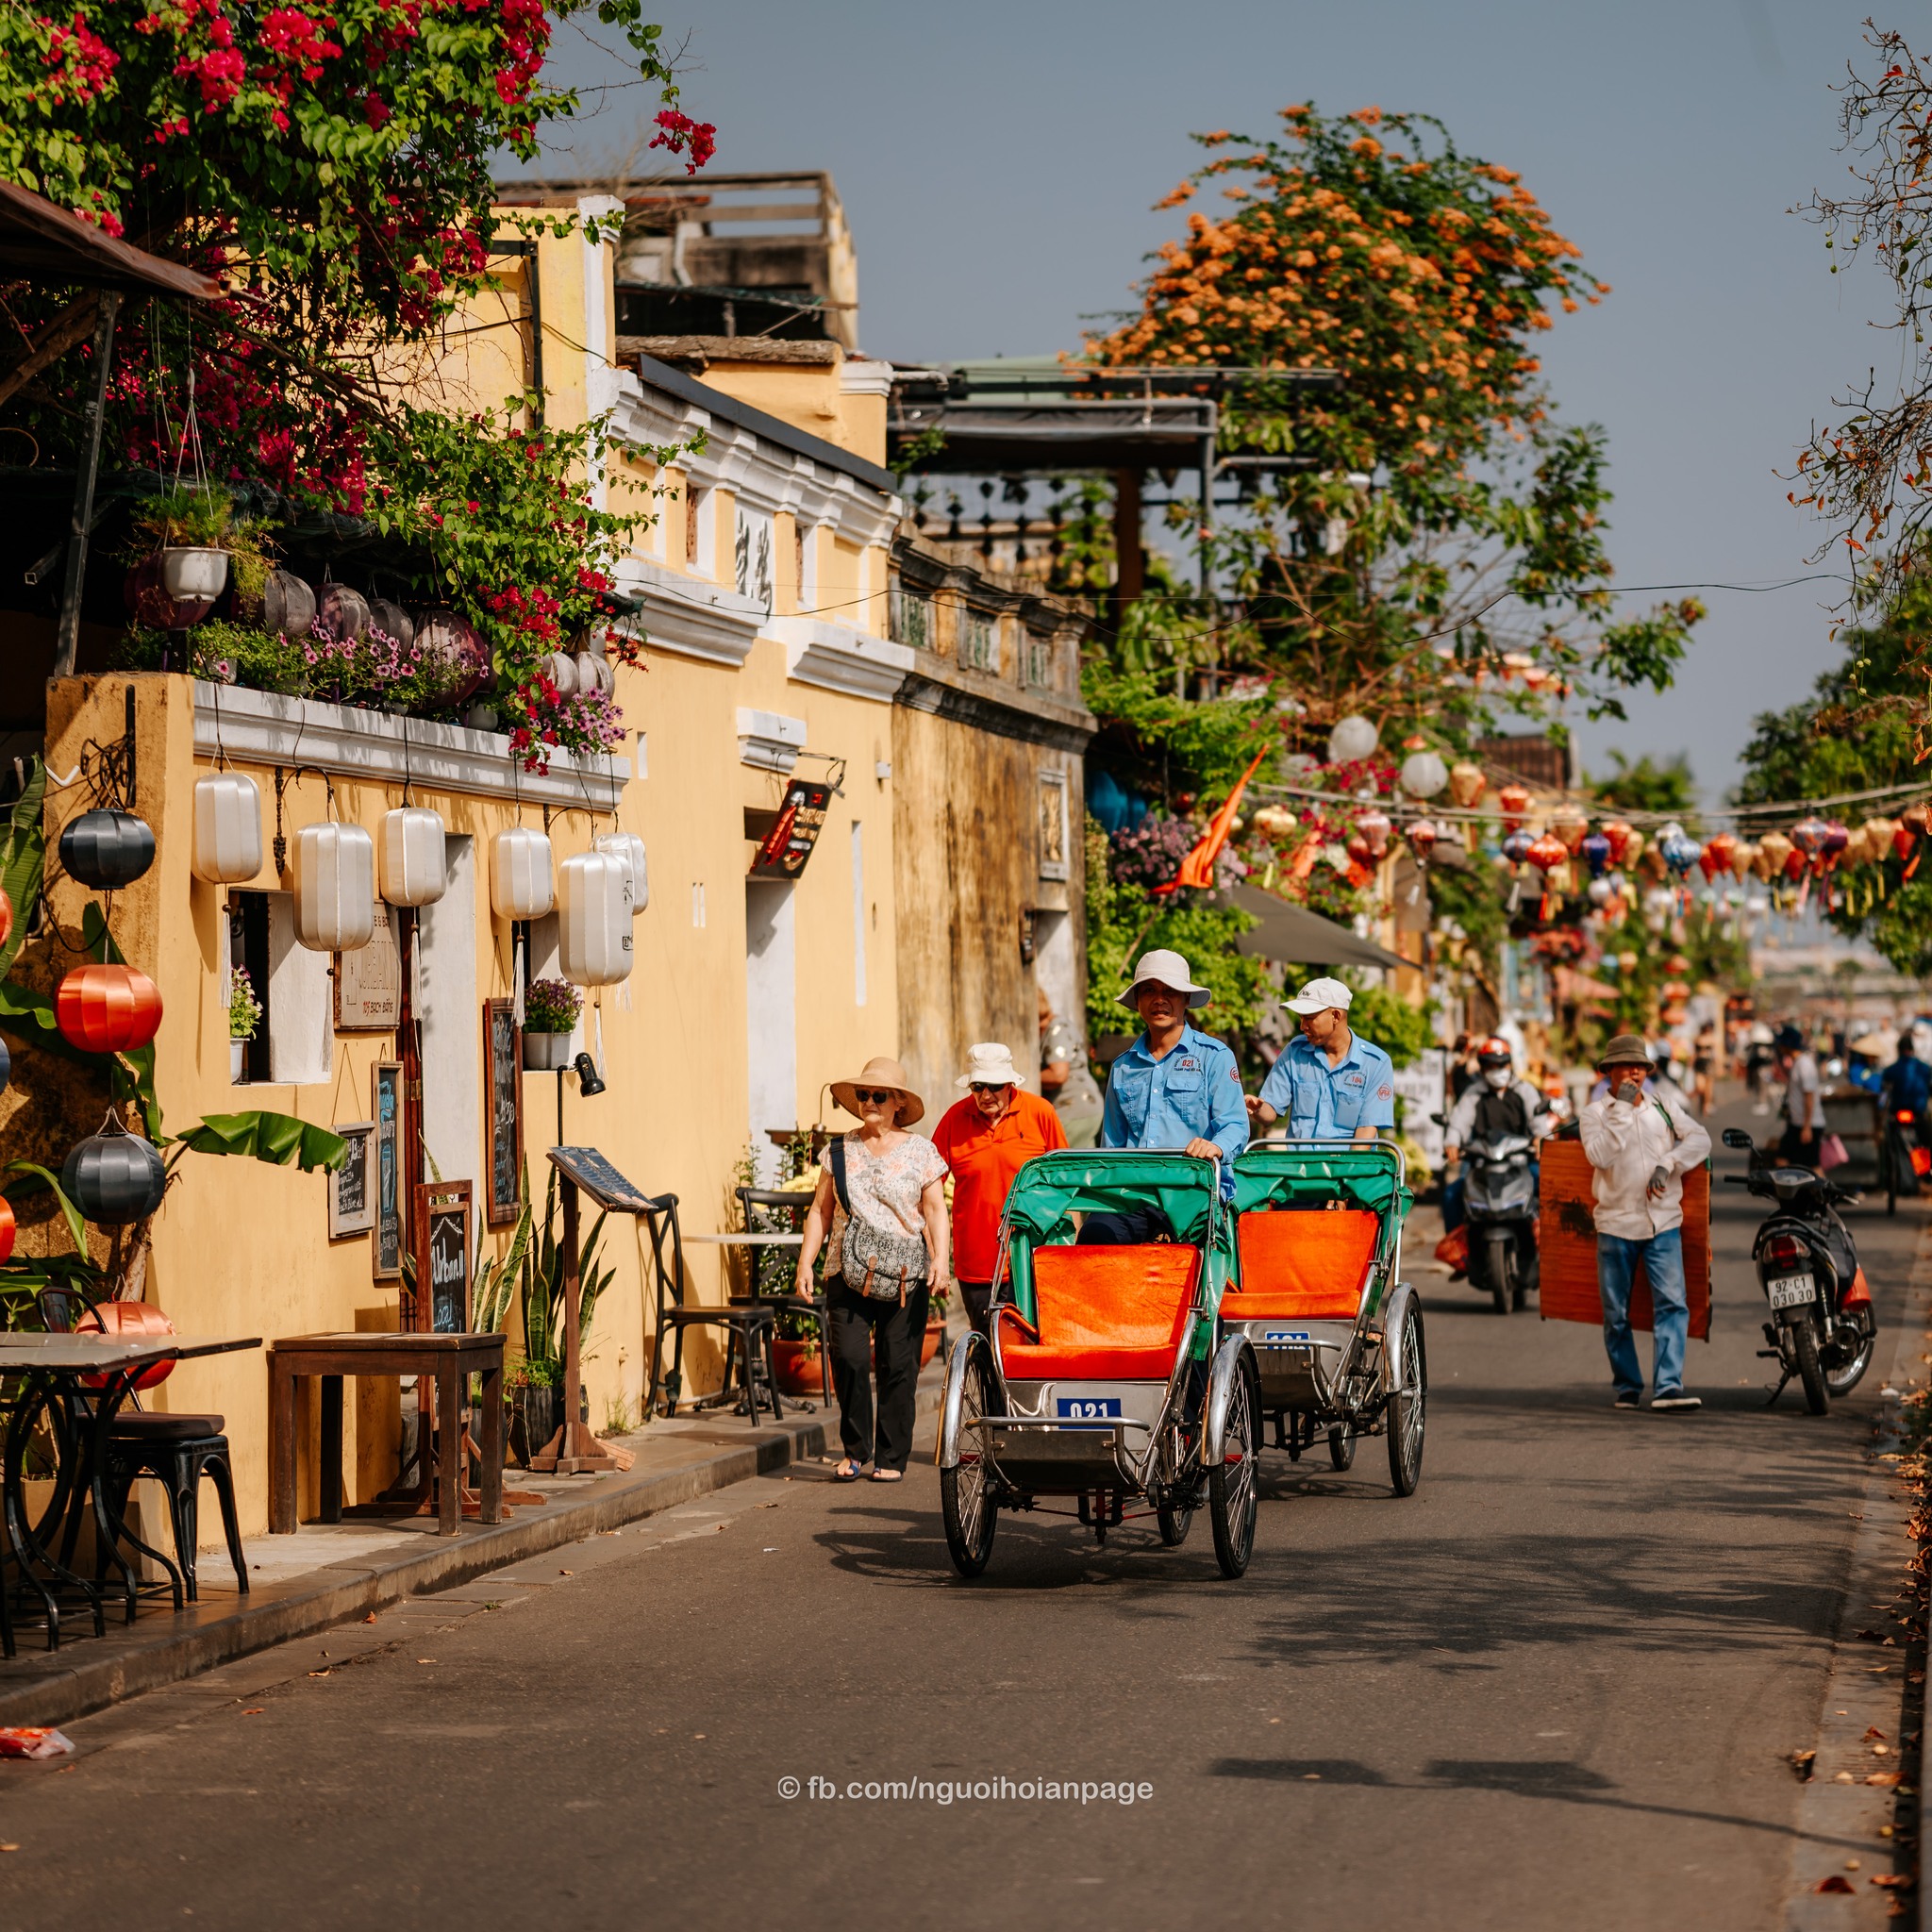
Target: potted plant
{"points": [[530, 1389], [550, 1012], [934, 1326], [244, 1018], [189, 531]]}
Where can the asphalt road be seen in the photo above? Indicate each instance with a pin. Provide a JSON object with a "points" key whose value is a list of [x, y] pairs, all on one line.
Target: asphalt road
{"points": [[1554, 1687]]}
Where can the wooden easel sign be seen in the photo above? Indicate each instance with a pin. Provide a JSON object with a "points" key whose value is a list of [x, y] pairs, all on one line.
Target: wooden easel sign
{"points": [[442, 1254]]}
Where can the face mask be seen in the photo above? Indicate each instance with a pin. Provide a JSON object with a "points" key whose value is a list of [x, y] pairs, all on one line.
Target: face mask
{"points": [[1498, 1077]]}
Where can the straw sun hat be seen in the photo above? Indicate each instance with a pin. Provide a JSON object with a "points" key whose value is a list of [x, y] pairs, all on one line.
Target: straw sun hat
{"points": [[881, 1071]]}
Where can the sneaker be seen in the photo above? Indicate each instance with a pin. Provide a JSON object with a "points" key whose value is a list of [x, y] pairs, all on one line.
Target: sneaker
{"points": [[1626, 1400], [1677, 1399]]}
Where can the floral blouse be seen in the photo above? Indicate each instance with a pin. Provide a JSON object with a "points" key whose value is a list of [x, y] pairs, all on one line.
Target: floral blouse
{"points": [[880, 1247]]}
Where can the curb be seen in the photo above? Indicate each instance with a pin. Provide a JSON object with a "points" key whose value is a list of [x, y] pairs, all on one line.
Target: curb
{"points": [[88, 1674], [1838, 1810]]}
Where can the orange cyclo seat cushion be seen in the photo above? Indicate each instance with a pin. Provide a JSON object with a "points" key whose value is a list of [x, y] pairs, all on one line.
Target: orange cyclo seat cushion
{"points": [[1104, 1313], [1304, 1263]]}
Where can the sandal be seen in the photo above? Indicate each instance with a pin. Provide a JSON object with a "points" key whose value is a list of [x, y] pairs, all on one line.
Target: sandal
{"points": [[888, 1476], [847, 1472]]}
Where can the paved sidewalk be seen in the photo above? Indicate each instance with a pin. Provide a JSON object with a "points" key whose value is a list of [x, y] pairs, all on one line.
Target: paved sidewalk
{"points": [[328, 1574]]}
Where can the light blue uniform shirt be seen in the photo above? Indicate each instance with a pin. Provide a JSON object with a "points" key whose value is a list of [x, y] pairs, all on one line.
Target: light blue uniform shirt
{"points": [[1322, 1103], [1193, 1093]]}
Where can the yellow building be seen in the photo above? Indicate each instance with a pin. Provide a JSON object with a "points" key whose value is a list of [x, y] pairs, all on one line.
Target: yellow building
{"points": [[763, 590]]}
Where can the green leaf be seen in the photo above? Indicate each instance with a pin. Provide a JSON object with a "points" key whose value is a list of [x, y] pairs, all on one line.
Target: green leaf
{"points": [[77, 1224], [277, 1138]]}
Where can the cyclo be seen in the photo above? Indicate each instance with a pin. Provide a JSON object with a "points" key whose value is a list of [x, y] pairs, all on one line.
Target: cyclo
{"points": [[1337, 1336], [1106, 1380]]}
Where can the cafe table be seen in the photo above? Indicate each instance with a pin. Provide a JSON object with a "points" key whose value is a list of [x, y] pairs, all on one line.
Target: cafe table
{"points": [[79, 1382]]}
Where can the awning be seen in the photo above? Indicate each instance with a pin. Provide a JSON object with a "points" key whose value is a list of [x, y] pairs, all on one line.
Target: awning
{"points": [[46, 243], [1297, 936]]}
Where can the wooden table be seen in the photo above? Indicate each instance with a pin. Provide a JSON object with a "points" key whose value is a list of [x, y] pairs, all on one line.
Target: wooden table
{"points": [[447, 1359]]}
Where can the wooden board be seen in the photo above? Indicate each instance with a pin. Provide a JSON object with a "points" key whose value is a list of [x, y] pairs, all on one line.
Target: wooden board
{"points": [[442, 1251], [502, 1112], [1568, 1237], [599, 1179], [368, 982]]}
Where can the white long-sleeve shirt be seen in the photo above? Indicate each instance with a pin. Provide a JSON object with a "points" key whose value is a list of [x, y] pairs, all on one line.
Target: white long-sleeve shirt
{"points": [[1462, 1116], [1627, 1145]]}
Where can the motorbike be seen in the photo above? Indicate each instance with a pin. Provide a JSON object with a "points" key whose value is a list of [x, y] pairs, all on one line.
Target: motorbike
{"points": [[1499, 1204], [1907, 1161], [1822, 1329]]}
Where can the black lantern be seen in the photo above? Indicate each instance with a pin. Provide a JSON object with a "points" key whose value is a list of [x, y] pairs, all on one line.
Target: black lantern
{"points": [[114, 1176], [107, 850]]}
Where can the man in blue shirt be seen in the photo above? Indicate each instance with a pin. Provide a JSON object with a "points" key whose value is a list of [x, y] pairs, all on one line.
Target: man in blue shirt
{"points": [[1175, 1087], [1907, 1082], [1330, 1083]]}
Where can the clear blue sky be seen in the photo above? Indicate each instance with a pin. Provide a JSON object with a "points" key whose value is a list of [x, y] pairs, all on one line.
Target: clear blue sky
{"points": [[997, 162]]}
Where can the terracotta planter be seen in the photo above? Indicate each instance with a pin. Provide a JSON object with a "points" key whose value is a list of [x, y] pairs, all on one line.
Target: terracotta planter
{"points": [[929, 1341], [798, 1367]]}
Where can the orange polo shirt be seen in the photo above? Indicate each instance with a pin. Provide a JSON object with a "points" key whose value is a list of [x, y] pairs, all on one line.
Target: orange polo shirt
{"points": [[984, 1160]]}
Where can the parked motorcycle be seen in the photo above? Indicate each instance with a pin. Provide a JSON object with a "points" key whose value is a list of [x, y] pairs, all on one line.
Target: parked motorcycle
{"points": [[1499, 1204], [1822, 1329]]}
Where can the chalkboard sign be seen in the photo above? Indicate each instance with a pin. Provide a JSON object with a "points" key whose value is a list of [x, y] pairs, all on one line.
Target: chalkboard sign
{"points": [[599, 1179], [789, 843], [351, 1190], [503, 1106], [385, 1104], [442, 1251]]}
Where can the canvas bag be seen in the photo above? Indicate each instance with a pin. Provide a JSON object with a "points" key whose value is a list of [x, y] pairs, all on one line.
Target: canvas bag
{"points": [[877, 1263]]}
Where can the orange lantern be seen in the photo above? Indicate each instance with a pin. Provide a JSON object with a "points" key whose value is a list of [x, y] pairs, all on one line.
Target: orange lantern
{"points": [[6, 918], [1620, 833], [107, 1008], [1568, 825], [1374, 827], [1546, 854], [1774, 849], [1514, 799], [130, 1319], [8, 1228], [1720, 853], [1467, 783]]}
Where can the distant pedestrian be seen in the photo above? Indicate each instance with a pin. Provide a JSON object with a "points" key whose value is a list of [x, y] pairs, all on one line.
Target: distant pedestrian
{"points": [[1760, 1057], [1803, 1109], [986, 1139], [1641, 1146], [881, 1195], [1329, 1083]]}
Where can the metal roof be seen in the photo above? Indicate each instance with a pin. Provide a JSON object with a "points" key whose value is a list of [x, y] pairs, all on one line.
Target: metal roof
{"points": [[46, 243]]}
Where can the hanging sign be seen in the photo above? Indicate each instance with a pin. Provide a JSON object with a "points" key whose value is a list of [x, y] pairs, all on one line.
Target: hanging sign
{"points": [[368, 982], [385, 1102], [789, 843], [442, 1251]]}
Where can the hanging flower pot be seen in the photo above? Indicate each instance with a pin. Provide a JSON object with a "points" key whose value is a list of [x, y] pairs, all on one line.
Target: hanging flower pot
{"points": [[1467, 783], [227, 828], [1514, 799], [195, 575], [114, 1176], [344, 613], [455, 653], [288, 604], [393, 621], [107, 850], [103, 1008]]}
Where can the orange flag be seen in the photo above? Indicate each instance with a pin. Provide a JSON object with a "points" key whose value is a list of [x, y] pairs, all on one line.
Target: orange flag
{"points": [[1197, 868]]}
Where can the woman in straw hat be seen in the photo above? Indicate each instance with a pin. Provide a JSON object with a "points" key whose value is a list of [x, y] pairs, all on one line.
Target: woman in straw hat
{"points": [[881, 1195], [986, 1139]]}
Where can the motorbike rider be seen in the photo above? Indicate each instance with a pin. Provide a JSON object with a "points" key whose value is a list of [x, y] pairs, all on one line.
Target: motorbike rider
{"points": [[1907, 1082], [1501, 1102]]}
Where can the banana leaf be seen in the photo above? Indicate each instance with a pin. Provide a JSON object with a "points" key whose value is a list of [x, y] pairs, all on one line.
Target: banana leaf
{"points": [[279, 1138], [23, 857]]}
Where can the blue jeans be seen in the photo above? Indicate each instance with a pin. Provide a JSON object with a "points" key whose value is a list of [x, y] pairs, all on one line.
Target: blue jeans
{"points": [[1662, 1257]]}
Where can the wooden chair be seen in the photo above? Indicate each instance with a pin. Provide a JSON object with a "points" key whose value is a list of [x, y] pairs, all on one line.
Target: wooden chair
{"points": [[751, 1328]]}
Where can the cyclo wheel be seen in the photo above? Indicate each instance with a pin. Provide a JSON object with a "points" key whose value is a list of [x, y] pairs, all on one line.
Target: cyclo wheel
{"points": [[1810, 1371], [1175, 1522], [1407, 1405], [1175, 1519], [969, 1512], [1233, 1497], [1341, 1447]]}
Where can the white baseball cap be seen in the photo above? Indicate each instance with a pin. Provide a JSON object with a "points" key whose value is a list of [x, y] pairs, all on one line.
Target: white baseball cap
{"points": [[1169, 970], [1319, 995]]}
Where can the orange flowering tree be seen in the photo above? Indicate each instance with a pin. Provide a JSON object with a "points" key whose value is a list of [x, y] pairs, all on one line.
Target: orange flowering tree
{"points": [[1431, 543]]}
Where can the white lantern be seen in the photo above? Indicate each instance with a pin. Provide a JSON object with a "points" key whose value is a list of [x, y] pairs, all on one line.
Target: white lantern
{"points": [[415, 869], [1353, 740], [335, 887], [561, 671], [522, 878], [593, 918], [1423, 775], [593, 673], [630, 848], [227, 828]]}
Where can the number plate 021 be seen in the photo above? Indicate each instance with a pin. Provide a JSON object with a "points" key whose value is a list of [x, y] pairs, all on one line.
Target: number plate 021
{"points": [[1789, 1290], [1087, 1409]]}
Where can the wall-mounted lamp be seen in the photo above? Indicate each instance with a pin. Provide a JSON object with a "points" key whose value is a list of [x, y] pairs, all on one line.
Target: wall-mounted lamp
{"points": [[588, 1082]]}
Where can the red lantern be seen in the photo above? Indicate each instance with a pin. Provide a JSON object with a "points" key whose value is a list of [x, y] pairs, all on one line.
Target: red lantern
{"points": [[8, 1228], [1902, 839], [1795, 862], [1620, 835], [1547, 853], [1514, 799], [1720, 855], [6, 918], [107, 1009], [1422, 840], [1374, 827]]}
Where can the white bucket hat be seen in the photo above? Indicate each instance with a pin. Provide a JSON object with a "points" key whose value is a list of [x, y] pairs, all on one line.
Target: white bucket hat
{"points": [[1319, 995], [988, 1064], [1169, 970]]}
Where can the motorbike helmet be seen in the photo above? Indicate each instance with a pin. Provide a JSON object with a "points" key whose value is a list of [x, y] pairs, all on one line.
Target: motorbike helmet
{"points": [[1788, 1040], [1493, 1057]]}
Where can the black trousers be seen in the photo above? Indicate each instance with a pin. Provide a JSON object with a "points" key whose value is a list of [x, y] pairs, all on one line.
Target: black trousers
{"points": [[865, 1333], [978, 1296]]}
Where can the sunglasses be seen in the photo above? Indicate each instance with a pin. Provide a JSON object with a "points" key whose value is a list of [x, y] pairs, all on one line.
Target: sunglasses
{"points": [[991, 1086], [875, 1096]]}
